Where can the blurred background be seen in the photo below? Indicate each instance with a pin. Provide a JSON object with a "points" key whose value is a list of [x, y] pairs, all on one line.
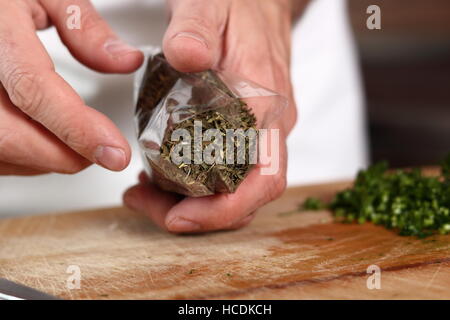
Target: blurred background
{"points": [[406, 74]]}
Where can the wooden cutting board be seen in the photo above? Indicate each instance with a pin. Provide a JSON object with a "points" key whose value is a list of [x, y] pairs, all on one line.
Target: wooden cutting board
{"points": [[281, 255]]}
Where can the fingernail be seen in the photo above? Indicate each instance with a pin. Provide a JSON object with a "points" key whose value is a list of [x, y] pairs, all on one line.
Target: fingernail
{"points": [[110, 158], [193, 36], [117, 47], [179, 224]]}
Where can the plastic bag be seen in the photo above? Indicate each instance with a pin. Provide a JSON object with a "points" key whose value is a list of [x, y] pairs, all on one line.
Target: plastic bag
{"points": [[168, 102]]}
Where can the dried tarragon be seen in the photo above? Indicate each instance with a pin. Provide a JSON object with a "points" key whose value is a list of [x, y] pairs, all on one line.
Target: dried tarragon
{"points": [[209, 101]]}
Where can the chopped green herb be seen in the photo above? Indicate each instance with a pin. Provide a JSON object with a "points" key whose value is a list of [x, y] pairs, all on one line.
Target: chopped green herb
{"points": [[405, 200], [310, 204], [313, 204]]}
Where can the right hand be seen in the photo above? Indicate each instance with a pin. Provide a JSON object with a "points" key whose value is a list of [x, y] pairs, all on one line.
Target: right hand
{"points": [[44, 124], [250, 38]]}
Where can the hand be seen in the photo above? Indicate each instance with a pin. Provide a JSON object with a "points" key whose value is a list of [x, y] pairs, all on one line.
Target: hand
{"points": [[251, 37], [44, 124]]}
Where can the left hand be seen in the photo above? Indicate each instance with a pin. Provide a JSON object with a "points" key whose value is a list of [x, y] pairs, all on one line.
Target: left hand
{"points": [[252, 38]]}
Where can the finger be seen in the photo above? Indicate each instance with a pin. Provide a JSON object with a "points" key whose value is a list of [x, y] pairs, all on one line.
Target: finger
{"points": [[28, 76], [12, 169], [193, 40], [89, 37], [225, 211], [25, 143], [40, 17], [151, 201]]}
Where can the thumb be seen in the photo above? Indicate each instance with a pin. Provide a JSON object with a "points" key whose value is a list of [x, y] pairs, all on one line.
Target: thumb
{"points": [[93, 42], [193, 40]]}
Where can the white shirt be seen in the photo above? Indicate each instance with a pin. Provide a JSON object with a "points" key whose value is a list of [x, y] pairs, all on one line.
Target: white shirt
{"points": [[328, 142]]}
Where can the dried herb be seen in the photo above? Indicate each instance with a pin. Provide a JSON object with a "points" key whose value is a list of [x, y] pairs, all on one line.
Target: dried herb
{"points": [[404, 200], [170, 100]]}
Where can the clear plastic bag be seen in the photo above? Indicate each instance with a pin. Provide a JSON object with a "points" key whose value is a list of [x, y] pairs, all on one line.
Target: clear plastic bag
{"points": [[168, 100]]}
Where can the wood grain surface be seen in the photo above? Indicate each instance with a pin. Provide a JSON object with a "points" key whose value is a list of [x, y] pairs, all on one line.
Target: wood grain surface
{"points": [[283, 254]]}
